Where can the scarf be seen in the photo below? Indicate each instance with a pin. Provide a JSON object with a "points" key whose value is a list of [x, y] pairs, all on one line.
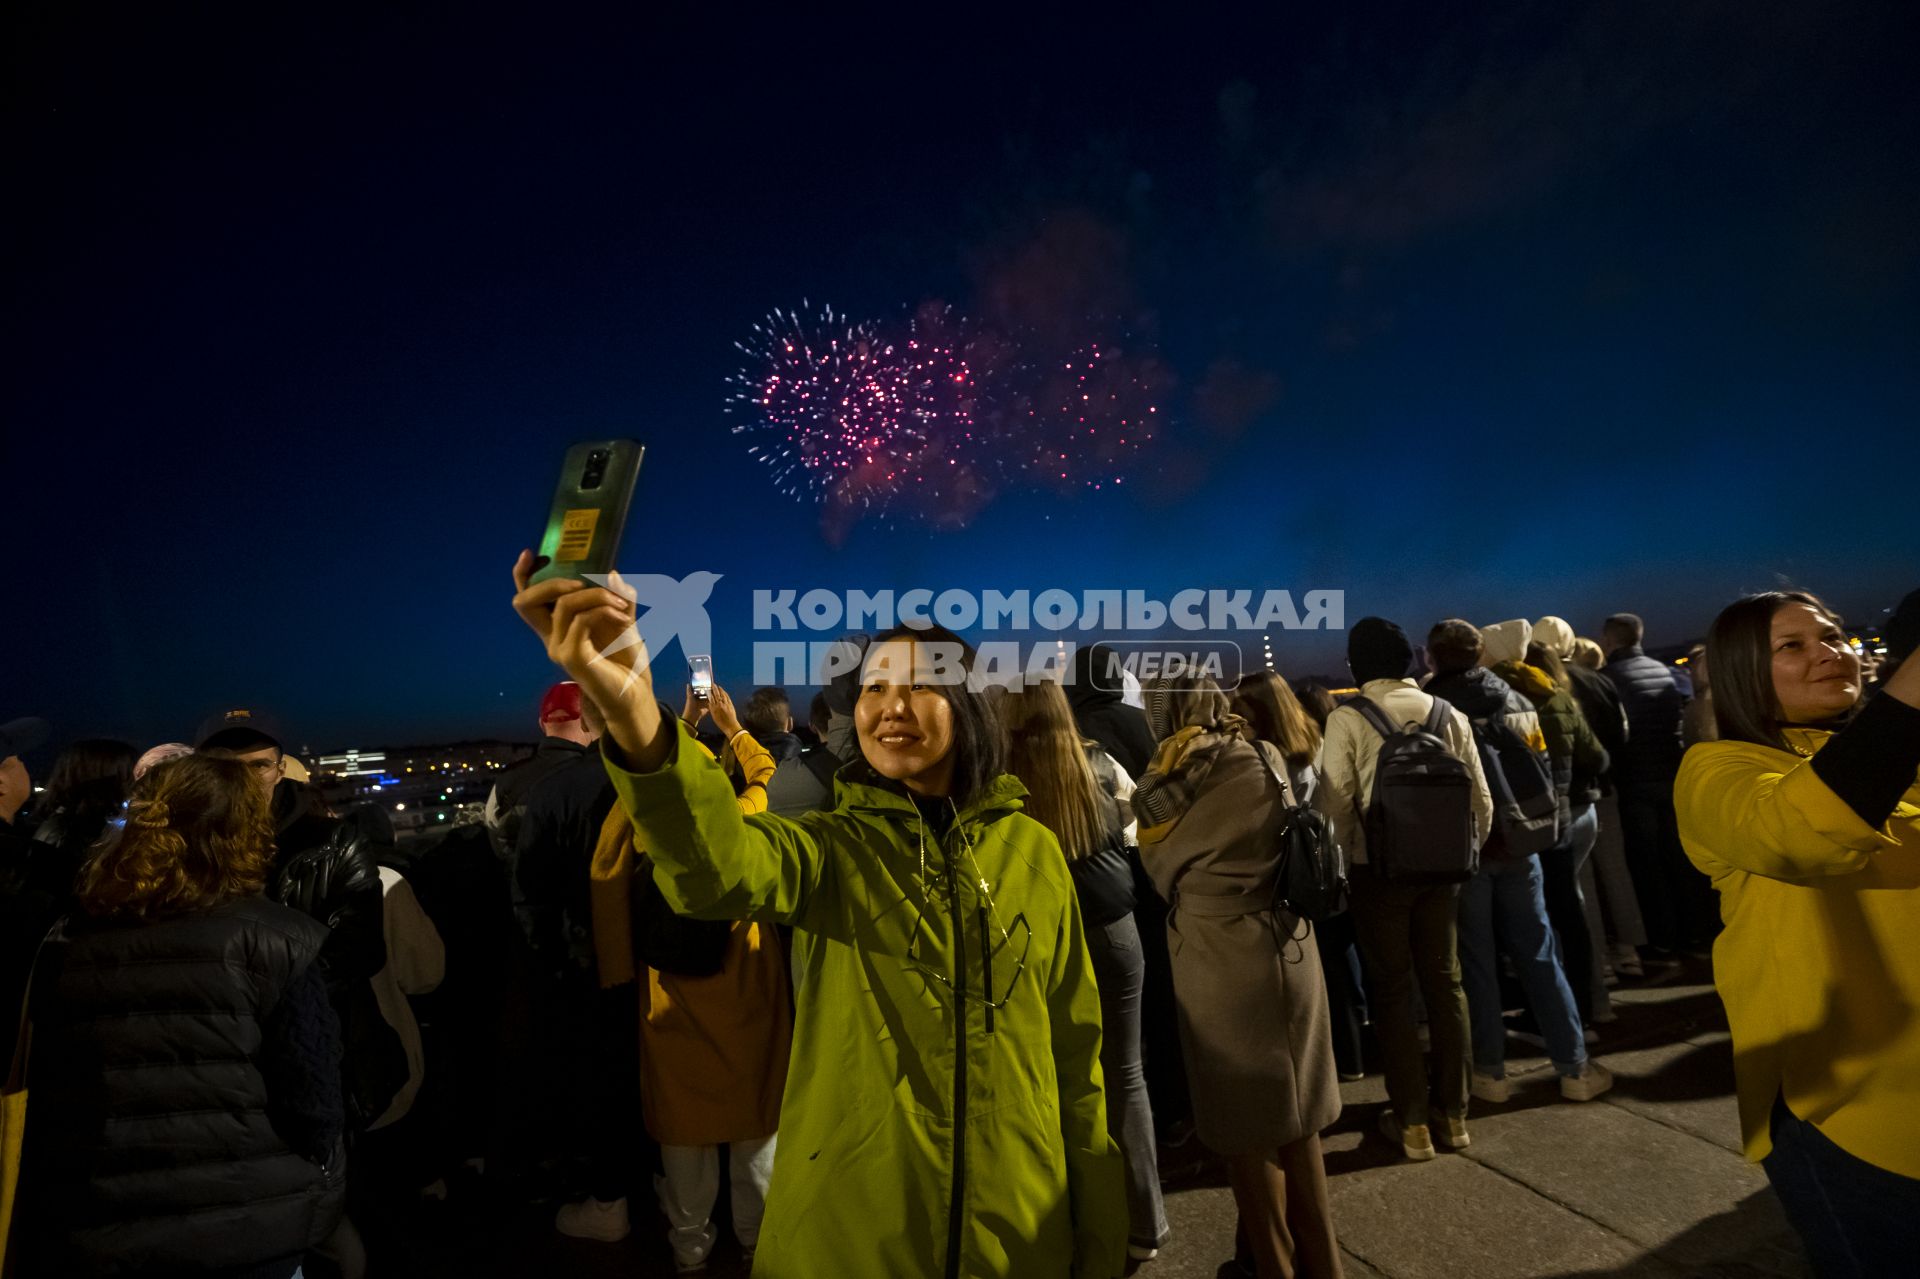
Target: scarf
{"points": [[1190, 718]]}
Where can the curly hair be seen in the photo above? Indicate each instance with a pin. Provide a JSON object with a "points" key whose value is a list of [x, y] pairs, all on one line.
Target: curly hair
{"points": [[198, 832]]}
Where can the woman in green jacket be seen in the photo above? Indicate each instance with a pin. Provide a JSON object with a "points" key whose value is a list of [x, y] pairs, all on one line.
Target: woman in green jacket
{"points": [[944, 1112]]}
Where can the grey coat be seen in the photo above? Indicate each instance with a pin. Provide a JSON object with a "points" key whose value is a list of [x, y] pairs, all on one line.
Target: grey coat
{"points": [[1253, 1005]]}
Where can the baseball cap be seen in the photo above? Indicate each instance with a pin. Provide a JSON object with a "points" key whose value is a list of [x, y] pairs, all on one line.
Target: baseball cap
{"points": [[561, 702], [242, 722], [18, 736]]}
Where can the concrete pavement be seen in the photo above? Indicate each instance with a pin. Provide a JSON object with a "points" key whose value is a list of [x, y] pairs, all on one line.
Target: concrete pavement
{"points": [[1646, 1181]]}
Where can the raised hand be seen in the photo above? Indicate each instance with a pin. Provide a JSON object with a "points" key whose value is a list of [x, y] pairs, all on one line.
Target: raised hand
{"points": [[721, 706], [589, 632]]}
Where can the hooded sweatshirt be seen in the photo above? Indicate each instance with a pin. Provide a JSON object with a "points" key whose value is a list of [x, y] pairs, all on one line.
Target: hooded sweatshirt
{"points": [[1103, 714]]}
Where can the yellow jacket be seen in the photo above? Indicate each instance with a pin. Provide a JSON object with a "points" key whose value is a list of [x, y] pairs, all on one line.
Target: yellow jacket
{"points": [[1819, 966], [611, 875]]}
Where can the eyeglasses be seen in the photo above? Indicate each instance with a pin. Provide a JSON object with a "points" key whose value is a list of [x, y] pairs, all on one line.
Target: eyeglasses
{"points": [[991, 949]]}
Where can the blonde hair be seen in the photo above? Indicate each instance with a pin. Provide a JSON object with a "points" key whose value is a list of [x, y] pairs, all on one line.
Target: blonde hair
{"points": [[1588, 653], [198, 832], [1050, 759]]}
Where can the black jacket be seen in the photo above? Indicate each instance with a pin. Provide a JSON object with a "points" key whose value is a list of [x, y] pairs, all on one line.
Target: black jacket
{"points": [[1120, 729], [1600, 703], [328, 871], [1653, 702], [151, 1142], [507, 806], [549, 879]]}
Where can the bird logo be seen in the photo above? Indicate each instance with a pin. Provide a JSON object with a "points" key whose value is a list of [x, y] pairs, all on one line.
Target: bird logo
{"points": [[668, 608]]}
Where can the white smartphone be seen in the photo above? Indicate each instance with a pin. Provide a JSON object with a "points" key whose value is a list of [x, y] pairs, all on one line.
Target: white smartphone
{"points": [[700, 675]]}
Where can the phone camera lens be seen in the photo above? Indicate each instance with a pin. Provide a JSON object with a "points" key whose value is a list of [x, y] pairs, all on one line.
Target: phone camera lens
{"points": [[596, 469]]}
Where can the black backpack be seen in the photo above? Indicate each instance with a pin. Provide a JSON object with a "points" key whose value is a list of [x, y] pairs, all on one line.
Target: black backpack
{"points": [[1526, 810], [1312, 878], [1419, 821], [668, 942]]}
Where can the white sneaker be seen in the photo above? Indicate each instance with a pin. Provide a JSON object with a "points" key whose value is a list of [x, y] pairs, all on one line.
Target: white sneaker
{"points": [[1492, 1088], [1592, 1080], [1140, 1252], [691, 1248], [594, 1219]]}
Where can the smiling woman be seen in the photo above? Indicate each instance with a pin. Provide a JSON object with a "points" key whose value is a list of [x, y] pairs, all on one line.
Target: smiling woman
{"points": [[944, 1111], [1807, 816]]}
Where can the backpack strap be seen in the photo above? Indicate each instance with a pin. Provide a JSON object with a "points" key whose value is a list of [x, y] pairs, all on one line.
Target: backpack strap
{"points": [[1286, 787], [1372, 713], [1437, 719]]}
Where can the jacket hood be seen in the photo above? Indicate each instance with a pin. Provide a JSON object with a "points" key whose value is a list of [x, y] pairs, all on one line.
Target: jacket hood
{"points": [[1475, 693], [1083, 692], [1529, 681], [1506, 641], [858, 787]]}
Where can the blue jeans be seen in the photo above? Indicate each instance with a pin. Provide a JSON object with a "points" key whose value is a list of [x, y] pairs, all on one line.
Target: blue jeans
{"points": [[1120, 968], [1844, 1209], [1567, 909], [1506, 899]]}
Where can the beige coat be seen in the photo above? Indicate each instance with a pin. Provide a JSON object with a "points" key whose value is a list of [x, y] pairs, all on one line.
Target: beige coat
{"points": [[1253, 1005]]}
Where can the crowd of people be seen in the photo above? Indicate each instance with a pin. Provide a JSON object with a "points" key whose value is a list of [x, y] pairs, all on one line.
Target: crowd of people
{"points": [[948, 979]]}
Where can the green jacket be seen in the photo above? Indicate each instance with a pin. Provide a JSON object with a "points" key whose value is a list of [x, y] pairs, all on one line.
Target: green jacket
{"points": [[868, 1181], [1578, 757]]}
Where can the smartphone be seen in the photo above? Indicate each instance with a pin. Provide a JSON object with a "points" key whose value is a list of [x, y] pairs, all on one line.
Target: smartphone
{"points": [[589, 511], [700, 675]]}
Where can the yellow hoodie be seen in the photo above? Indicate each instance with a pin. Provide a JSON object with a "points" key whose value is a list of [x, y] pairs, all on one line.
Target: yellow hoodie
{"points": [[1819, 966]]}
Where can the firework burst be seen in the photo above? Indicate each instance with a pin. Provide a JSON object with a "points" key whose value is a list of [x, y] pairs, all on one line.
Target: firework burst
{"points": [[929, 419]]}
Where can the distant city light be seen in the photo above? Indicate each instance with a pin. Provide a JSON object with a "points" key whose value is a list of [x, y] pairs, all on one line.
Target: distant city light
{"points": [[399, 808]]}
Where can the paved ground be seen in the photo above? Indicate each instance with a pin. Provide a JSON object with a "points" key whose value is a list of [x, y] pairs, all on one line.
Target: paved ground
{"points": [[1647, 1181]]}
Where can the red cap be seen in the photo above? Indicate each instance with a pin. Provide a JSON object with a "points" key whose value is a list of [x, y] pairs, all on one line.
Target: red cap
{"points": [[561, 702]]}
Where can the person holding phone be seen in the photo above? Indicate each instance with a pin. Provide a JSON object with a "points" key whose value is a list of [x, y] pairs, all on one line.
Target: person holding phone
{"points": [[944, 1112], [1806, 815]]}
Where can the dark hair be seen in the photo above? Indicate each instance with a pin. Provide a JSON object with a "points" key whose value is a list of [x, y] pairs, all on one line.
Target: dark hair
{"points": [[820, 715], [979, 740], [1740, 656], [1624, 629], [1539, 655], [767, 712], [1454, 645], [1316, 699], [90, 780], [1377, 649]]}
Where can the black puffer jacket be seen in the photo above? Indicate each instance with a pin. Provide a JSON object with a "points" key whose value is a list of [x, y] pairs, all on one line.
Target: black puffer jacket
{"points": [[329, 871], [1651, 756], [149, 1143]]}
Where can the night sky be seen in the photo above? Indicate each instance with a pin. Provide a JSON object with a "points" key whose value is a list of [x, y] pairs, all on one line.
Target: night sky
{"points": [[1540, 309]]}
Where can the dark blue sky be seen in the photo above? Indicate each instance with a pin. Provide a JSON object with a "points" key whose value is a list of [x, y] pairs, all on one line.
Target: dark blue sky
{"points": [[1542, 308]]}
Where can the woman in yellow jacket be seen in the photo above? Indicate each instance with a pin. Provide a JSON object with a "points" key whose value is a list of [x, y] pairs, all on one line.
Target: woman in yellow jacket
{"points": [[1806, 815]]}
